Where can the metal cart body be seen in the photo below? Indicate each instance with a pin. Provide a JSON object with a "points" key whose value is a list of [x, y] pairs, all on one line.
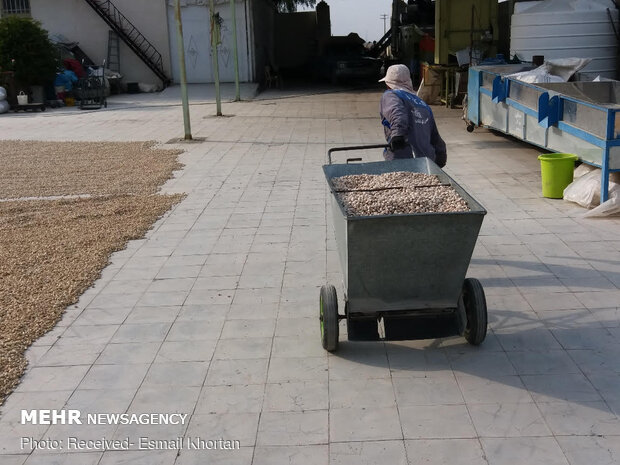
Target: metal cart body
{"points": [[396, 267]]}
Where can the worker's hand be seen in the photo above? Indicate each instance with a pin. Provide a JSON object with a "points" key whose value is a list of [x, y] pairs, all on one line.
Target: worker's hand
{"points": [[397, 143]]}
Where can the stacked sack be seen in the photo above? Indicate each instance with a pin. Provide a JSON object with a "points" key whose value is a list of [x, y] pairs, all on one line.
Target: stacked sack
{"points": [[4, 105]]}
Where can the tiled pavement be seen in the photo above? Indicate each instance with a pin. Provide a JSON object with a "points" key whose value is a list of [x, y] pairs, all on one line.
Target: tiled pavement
{"points": [[214, 314]]}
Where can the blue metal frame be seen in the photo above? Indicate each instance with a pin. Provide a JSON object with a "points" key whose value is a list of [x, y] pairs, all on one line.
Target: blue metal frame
{"points": [[549, 114]]}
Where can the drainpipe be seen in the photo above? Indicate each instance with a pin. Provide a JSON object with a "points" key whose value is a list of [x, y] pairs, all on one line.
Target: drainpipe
{"points": [[216, 71], [235, 52], [181, 51]]}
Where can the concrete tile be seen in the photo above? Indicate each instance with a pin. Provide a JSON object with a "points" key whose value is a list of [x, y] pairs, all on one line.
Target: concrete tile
{"points": [[508, 420], [135, 457], [298, 369], [248, 348], [295, 347], [434, 390], [445, 451], [101, 400], [536, 339], [437, 421], [114, 377], [248, 328], [496, 390], [242, 371], [580, 419], [159, 299], [368, 363], [296, 396], [235, 398], [308, 455], [57, 378], [65, 355], [87, 334], [128, 353], [368, 453], [368, 393], [11, 409], [209, 296], [523, 451], [241, 456], [144, 315], [364, 424], [542, 363], [232, 426], [102, 316], [73, 458], [177, 374], [584, 450], [14, 459], [186, 351], [143, 332], [203, 312], [181, 399], [481, 363], [571, 387], [199, 330], [293, 428]]}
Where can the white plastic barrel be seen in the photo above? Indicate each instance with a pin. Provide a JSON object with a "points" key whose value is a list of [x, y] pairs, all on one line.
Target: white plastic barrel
{"points": [[568, 28]]}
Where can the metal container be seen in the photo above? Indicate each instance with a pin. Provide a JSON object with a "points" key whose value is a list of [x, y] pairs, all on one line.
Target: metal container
{"points": [[563, 29], [396, 263]]}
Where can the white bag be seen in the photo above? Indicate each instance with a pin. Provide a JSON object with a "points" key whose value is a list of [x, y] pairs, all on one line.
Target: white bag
{"points": [[585, 190], [2, 94], [608, 208], [4, 106], [582, 169]]}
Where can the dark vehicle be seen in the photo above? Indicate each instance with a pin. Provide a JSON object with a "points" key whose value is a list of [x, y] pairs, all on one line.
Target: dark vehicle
{"points": [[344, 62]]}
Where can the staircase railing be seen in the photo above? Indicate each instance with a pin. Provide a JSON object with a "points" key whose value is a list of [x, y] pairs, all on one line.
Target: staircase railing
{"points": [[134, 39]]}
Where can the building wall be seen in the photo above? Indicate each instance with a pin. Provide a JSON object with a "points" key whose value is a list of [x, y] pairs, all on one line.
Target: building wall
{"points": [[78, 22], [263, 36], [300, 46], [195, 15]]}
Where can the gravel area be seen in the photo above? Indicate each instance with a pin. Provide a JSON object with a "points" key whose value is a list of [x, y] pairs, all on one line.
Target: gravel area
{"points": [[394, 193], [42, 169], [50, 253], [53, 249]]}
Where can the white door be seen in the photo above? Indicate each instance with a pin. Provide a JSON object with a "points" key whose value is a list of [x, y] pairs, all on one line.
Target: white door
{"points": [[197, 43]]}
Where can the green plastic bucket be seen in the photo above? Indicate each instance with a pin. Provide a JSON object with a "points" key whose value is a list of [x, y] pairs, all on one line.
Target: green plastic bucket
{"points": [[556, 170]]}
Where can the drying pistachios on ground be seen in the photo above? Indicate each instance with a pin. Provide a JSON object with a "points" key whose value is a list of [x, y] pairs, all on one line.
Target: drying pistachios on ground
{"points": [[53, 249], [399, 192]]}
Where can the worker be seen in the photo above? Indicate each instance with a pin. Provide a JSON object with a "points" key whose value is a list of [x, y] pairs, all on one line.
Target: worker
{"points": [[409, 125]]}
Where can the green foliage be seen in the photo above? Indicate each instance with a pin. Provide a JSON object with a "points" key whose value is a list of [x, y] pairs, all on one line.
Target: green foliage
{"points": [[290, 6], [26, 49]]}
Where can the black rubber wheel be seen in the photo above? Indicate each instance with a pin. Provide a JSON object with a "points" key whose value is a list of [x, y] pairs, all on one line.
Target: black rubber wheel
{"points": [[476, 311], [328, 316], [470, 127]]}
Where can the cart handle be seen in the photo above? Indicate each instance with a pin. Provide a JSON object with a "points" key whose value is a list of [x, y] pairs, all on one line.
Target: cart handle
{"points": [[353, 147]]}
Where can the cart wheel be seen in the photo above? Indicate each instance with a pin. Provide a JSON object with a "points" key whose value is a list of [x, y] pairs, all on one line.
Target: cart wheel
{"points": [[476, 311], [470, 127], [329, 317]]}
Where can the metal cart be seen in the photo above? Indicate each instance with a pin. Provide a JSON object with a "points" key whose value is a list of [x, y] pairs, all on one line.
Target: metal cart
{"points": [[91, 91], [404, 275]]}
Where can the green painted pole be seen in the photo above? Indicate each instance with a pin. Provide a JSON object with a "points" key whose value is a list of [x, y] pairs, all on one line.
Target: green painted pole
{"points": [[181, 51], [216, 71], [235, 52]]}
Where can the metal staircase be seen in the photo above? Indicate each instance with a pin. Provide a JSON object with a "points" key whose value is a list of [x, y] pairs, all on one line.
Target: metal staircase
{"points": [[131, 36]]}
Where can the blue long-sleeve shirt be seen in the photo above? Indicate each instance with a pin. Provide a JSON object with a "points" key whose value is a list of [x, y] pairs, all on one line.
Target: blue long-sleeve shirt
{"points": [[405, 114]]}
